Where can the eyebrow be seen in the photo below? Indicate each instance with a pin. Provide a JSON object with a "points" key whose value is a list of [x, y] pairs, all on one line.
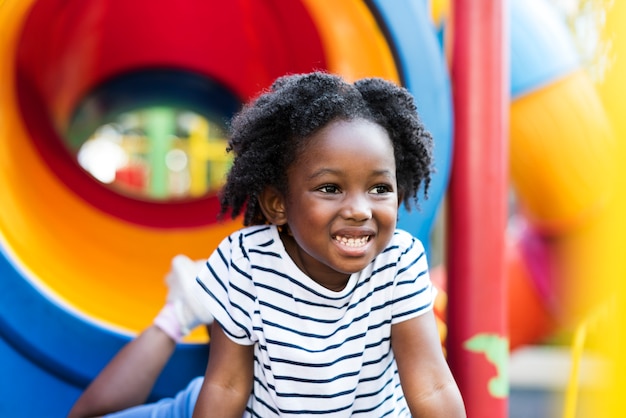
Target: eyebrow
{"points": [[323, 171]]}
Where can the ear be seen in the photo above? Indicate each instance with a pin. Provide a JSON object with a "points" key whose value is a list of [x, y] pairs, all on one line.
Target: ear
{"points": [[272, 204]]}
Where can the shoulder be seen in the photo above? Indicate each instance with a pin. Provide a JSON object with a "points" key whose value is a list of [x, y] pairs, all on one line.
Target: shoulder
{"points": [[403, 251], [403, 242], [251, 237], [251, 234], [250, 245]]}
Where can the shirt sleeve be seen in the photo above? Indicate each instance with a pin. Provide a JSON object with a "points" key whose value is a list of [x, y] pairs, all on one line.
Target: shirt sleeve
{"points": [[414, 293], [226, 287]]}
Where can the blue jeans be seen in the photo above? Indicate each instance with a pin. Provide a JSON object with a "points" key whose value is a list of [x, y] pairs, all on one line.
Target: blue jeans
{"points": [[180, 406]]}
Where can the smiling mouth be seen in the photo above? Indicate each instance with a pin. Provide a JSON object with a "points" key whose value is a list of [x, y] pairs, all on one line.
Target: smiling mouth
{"points": [[354, 242]]}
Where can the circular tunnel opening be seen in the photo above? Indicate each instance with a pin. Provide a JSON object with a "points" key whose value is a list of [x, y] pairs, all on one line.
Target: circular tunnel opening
{"points": [[156, 135]]}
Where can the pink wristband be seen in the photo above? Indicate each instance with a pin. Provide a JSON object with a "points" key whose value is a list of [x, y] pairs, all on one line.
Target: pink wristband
{"points": [[167, 321]]}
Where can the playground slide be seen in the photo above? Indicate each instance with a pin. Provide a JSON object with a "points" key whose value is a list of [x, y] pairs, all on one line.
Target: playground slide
{"points": [[82, 267]]}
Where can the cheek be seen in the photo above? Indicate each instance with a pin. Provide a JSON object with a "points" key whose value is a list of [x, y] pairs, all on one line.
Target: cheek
{"points": [[307, 215], [390, 210], [390, 218]]}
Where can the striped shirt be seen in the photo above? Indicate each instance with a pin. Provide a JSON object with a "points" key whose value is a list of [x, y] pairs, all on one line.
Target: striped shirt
{"points": [[317, 352]]}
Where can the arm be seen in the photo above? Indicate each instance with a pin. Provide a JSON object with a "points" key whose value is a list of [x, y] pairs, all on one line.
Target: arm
{"points": [[427, 382], [128, 378], [228, 379]]}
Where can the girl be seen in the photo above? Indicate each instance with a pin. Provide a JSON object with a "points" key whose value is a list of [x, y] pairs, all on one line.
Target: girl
{"points": [[322, 307]]}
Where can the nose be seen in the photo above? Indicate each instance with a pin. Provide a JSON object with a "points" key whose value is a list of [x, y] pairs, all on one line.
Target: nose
{"points": [[357, 208]]}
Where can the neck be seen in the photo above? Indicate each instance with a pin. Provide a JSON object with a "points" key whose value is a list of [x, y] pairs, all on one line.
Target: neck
{"points": [[335, 281]]}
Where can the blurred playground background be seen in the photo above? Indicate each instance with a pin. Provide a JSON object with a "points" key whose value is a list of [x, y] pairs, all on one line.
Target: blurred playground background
{"points": [[112, 150]]}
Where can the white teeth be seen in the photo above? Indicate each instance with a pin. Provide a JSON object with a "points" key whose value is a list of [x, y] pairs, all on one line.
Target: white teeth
{"points": [[353, 242]]}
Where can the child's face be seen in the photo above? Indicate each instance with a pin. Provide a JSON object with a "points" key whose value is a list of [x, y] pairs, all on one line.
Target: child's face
{"points": [[342, 200]]}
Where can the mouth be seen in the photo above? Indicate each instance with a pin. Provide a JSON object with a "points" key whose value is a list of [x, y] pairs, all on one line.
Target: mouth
{"points": [[352, 241]]}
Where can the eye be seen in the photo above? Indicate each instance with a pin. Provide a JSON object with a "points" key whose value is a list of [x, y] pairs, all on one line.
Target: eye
{"points": [[381, 189], [328, 188]]}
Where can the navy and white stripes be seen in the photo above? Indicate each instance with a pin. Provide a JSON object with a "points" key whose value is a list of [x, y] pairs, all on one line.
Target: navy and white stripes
{"points": [[317, 352]]}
